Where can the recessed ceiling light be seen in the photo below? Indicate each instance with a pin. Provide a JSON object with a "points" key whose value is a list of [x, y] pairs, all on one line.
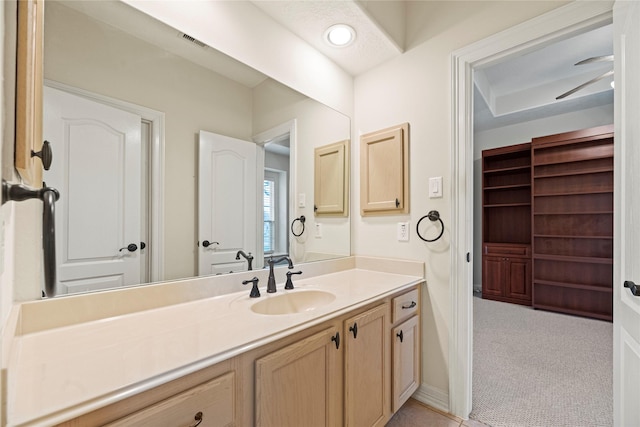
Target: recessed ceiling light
{"points": [[340, 35]]}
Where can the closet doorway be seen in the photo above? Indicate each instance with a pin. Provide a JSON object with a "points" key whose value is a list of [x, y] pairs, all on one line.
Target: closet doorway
{"points": [[559, 25]]}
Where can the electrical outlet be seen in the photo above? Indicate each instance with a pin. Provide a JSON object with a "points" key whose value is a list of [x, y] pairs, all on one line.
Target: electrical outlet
{"points": [[318, 230], [403, 231]]}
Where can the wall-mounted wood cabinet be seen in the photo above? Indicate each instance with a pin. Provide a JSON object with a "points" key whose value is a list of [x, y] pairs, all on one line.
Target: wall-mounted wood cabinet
{"points": [[331, 183], [384, 171]]}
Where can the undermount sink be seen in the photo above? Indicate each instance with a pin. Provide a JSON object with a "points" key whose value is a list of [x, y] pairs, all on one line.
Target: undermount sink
{"points": [[293, 302]]}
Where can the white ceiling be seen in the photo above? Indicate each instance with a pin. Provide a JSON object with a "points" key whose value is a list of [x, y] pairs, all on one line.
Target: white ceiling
{"points": [[310, 19], [525, 87], [520, 88]]}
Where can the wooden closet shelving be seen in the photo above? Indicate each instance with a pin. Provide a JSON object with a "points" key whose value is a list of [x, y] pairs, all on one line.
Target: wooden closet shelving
{"points": [[506, 230], [572, 222]]}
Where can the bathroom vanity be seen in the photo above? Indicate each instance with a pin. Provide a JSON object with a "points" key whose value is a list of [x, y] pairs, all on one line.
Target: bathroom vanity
{"points": [[341, 348]]}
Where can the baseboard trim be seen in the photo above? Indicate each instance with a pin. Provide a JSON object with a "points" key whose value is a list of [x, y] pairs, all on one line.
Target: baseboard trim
{"points": [[433, 396]]}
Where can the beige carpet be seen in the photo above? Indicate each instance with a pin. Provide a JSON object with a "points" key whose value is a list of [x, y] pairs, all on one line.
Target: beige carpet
{"points": [[535, 368]]}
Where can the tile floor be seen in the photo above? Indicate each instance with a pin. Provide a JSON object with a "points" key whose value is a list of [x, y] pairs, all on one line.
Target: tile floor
{"points": [[416, 414]]}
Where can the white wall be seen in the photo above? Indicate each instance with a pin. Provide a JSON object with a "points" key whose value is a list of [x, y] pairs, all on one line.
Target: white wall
{"points": [[244, 32], [110, 62], [516, 134], [416, 88], [316, 125]]}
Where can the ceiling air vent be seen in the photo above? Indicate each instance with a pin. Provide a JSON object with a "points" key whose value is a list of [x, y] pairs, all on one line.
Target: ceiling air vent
{"points": [[193, 40]]}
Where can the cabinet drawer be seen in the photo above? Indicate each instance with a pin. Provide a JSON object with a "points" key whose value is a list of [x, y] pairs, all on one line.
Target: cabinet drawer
{"points": [[405, 305], [214, 401], [515, 250]]}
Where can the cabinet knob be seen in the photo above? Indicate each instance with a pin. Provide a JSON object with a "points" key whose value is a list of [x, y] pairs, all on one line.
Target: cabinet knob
{"points": [[198, 417], [336, 339], [354, 329]]}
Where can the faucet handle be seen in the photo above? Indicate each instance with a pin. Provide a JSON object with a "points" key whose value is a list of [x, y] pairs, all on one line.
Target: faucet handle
{"points": [[289, 284], [255, 292]]}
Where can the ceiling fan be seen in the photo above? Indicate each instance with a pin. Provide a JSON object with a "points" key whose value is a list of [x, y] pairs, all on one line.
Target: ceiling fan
{"points": [[606, 58]]}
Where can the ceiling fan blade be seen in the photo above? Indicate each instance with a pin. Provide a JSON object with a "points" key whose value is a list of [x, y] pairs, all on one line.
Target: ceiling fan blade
{"points": [[583, 85], [606, 58]]}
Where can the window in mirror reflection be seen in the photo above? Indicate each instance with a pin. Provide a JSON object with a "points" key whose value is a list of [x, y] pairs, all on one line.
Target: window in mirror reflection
{"points": [[274, 204]]}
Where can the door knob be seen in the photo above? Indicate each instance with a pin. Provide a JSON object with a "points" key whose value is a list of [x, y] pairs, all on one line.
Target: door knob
{"points": [[131, 247], [207, 243], [635, 289]]}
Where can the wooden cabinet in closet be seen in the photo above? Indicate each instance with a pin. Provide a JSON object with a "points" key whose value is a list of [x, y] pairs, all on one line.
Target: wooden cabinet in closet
{"points": [[572, 222], [506, 224]]}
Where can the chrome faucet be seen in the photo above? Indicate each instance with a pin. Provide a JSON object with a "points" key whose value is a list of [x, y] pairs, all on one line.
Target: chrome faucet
{"points": [[248, 257], [271, 283]]}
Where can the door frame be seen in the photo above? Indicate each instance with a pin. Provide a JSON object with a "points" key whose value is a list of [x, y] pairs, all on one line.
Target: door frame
{"points": [[262, 138], [155, 223], [557, 24]]}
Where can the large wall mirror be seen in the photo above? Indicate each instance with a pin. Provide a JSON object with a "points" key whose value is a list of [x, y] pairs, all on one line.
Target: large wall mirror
{"points": [[131, 213]]}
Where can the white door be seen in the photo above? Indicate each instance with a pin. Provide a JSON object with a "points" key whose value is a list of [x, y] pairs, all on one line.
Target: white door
{"points": [[96, 168], [227, 203], [626, 306]]}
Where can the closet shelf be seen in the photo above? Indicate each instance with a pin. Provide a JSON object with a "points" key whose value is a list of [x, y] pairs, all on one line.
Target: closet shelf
{"points": [[566, 258], [566, 310], [508, 187], [564, 161], [604, 212], [507, 169], [573, 193], [505, 205], [578, 286], [580, 172], [568, 236]]}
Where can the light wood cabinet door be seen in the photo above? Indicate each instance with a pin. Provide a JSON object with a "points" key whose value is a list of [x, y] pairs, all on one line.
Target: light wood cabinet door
{"points": [[211, 403], [301, 384], [29, 91], [406, 361], [331, 180], [384, 171], [367, 368]]}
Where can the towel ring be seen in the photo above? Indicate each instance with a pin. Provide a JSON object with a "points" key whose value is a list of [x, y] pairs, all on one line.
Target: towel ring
{"points": [[433, 216], [302, 219]]}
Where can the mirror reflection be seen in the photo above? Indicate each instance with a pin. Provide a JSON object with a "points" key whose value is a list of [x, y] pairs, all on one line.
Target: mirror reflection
{"points": [[129, 104]]}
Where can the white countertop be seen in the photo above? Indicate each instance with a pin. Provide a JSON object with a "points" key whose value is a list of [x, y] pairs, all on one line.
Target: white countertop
{"points": [[61, 373]]}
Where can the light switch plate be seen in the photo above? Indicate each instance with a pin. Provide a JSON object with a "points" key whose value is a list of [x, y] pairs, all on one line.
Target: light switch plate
{"points": [[302, 200], [318, 231], [435, 187]]}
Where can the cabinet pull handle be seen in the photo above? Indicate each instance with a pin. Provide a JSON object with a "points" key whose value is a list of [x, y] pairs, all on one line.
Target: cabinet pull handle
{"points": [[400, 335], [354, 329], [406, 307], [198, 418], [336, 339], [397, 203]]}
